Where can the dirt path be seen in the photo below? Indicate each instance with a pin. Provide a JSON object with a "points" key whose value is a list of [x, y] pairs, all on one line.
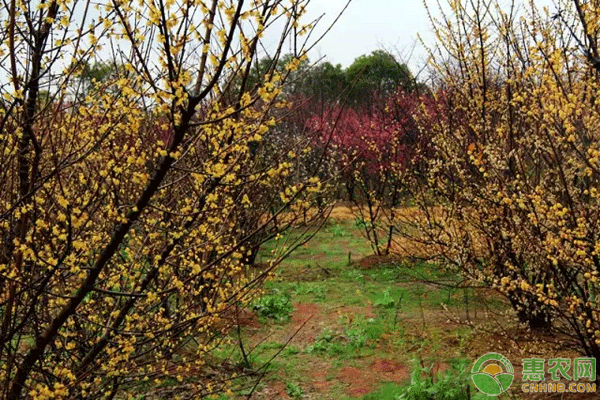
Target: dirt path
{"points": [[325, 378]]}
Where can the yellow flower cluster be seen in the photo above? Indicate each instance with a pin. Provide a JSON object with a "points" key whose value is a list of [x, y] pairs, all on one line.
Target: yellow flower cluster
{"points": [[514, 171], [135, 191]]}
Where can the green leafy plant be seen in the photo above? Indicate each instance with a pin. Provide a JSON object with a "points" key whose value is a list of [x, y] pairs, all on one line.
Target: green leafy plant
{"points": [[338, 231], [387, 391], [322, 342], [294, 390], [356, 274], [362, 223], [277, 306], [317, 289], [290, 350], [453, 384], [347, 343], [386, 300], [357, 337]]}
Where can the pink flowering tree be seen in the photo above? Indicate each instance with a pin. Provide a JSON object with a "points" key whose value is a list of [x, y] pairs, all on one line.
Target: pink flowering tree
{"points": [[372, 146]]}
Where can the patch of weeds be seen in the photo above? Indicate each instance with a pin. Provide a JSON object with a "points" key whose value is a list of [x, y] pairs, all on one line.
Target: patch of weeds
{"points": [[387, 272], [349, 344], [374, 328], [272, 345], [426, 272], [387, 391], [391, 297], [322, 342], [317, 289], [338, 231], [279, 285], [385, 300], [453, 384], [351, 341], [357, 337], [356, 275], [277, 306], [250, 390], [464, 336], [294, 390], [362, 223], [290, 350], [329, 250]]}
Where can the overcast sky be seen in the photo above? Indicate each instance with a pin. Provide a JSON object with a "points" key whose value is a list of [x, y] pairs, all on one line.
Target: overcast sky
{"points": [[369, 25]]}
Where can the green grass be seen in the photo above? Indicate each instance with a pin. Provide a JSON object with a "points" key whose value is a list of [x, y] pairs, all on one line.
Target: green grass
{"points": [[387, 391], [425, 384], [294, 390], [276, 306], [316, 291], [390, 312], [354, 341]]}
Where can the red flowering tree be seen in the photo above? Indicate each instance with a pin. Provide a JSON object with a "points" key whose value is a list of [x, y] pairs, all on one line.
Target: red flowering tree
{"points": [[372, 146]]}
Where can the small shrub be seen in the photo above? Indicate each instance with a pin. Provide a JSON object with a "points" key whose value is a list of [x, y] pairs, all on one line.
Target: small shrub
{"points": [[290, 351], [385, 300], [356, 275], [338, 231], [357, 337], [322, 342], [277, 306], [348, 343], [294, 390], [318, 290]]}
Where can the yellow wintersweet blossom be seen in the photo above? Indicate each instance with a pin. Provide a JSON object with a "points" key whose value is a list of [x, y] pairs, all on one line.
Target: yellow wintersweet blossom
{"points": [[135, 190], [510, 192]]}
